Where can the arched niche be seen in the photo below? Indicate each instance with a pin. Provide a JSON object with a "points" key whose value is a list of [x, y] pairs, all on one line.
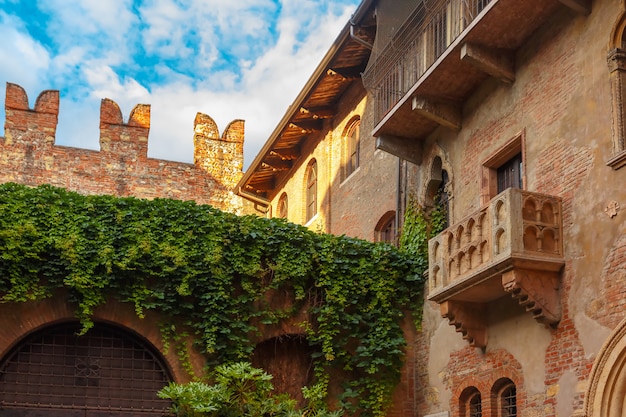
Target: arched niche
{"points": [[288, 358], [438, 185]]}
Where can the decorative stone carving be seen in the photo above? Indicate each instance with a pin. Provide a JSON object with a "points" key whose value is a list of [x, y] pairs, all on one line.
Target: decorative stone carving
{"points": [[616, 61], [467, 319], [612, 208], [537, 291], [512, 245]]}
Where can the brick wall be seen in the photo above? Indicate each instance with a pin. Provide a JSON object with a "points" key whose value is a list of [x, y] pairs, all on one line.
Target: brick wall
{"points": [[28, 155], [561, 102]]}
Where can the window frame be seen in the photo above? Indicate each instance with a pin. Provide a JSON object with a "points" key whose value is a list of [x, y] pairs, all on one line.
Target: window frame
{"points": [[500, 395], [489, 183], [506, 407], [351, 148], [467, 402], [616, 60], [282, 207], [381, 231], [310, 190]]}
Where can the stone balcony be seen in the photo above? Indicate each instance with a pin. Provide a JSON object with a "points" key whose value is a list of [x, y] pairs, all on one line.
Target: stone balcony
{"points": [[512, 245]]}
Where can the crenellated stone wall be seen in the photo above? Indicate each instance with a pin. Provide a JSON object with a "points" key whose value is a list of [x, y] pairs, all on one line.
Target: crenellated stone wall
{"points": [[29, 155]]}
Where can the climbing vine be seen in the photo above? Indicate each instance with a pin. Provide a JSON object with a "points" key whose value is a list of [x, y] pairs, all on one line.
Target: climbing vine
{"points": [[418, 227], [210, 272]]}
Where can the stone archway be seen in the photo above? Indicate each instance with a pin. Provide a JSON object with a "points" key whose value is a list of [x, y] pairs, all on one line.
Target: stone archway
{"points": [[54, 371], [606, 395]]}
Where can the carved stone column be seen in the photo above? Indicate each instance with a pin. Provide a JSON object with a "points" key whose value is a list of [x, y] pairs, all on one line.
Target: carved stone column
{"points": [[616, 60]]}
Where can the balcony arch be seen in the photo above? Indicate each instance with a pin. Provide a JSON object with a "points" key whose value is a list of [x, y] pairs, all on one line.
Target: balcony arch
{"points": [[532, 238]]}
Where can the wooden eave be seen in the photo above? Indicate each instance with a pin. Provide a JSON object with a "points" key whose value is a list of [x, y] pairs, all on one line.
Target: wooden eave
{"points": [[502, 27], [340, 67]]}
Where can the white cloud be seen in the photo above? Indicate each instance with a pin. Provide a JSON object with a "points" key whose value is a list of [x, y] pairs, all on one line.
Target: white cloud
{"points": [[86, 18], [24, 60], [100, 37]]}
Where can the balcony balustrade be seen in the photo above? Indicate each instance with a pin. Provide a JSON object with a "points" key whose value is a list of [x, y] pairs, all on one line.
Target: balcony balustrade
{"points": [[426, 34], [429, 57], [513, 245]]}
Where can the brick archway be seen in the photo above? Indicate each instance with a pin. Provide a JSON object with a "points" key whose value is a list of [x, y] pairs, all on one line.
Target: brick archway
{"points": [[18, 320], [55, 371]]}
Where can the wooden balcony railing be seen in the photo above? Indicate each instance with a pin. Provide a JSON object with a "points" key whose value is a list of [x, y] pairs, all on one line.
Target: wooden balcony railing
{"points": [[513, 245], [424, 36]]}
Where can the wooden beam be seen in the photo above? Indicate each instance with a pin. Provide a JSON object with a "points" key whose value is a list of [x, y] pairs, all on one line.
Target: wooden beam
{"points": [[277, 164], [579, 6], [495, 63], [445, 114], [349, 73], [319, 112], [261, 186], [405, 148], [332, 73], [307, 125], [286, 154]]}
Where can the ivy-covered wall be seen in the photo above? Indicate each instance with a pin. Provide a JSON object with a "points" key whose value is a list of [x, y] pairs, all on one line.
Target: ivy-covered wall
{"points": [[208, 274]]}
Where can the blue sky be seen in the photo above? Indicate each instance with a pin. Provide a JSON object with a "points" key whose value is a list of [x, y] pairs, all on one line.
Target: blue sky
{"points": [[230, 59]]}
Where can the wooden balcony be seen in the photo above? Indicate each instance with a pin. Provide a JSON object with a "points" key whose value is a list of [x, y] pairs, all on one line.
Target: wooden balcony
{"points": [[513, 245], [441, 54]]}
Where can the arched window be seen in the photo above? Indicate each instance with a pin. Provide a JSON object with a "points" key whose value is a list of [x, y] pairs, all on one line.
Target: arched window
{"points": [[282, 206], [508, 401], [504, 395], [311, 190], [385, 230], [351, 148], [470, 403]]}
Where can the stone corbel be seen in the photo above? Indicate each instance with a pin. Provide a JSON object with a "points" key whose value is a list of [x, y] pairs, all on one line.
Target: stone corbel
{"points": [[405, 148], [441, 112], [469, 319], [616, 59], [537, 291], [498, 64]]}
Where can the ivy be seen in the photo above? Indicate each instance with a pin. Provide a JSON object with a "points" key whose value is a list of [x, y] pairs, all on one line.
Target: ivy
{"points": [[419, 227], [208, 273]]}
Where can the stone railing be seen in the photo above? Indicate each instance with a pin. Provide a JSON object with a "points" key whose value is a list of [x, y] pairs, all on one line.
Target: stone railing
{"points": [[517, 230]]}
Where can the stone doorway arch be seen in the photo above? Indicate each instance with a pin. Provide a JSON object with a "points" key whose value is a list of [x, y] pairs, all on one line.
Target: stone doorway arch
{"points": [[108, 372], [606, 395]]}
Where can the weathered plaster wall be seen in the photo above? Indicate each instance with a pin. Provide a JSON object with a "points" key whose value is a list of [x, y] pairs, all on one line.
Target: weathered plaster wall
{"points": [[561, 103]]}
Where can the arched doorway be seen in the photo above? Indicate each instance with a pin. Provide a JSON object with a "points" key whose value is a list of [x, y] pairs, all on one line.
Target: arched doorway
{"points": [[106, 372], [606, 396]]}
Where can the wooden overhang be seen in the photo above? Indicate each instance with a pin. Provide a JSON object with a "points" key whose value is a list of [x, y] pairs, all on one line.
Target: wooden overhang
{"points": [[341, 66], [485, 48]]}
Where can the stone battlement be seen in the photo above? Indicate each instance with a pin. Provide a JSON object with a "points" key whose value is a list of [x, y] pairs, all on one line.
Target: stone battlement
{"points": [[28, 155]]}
